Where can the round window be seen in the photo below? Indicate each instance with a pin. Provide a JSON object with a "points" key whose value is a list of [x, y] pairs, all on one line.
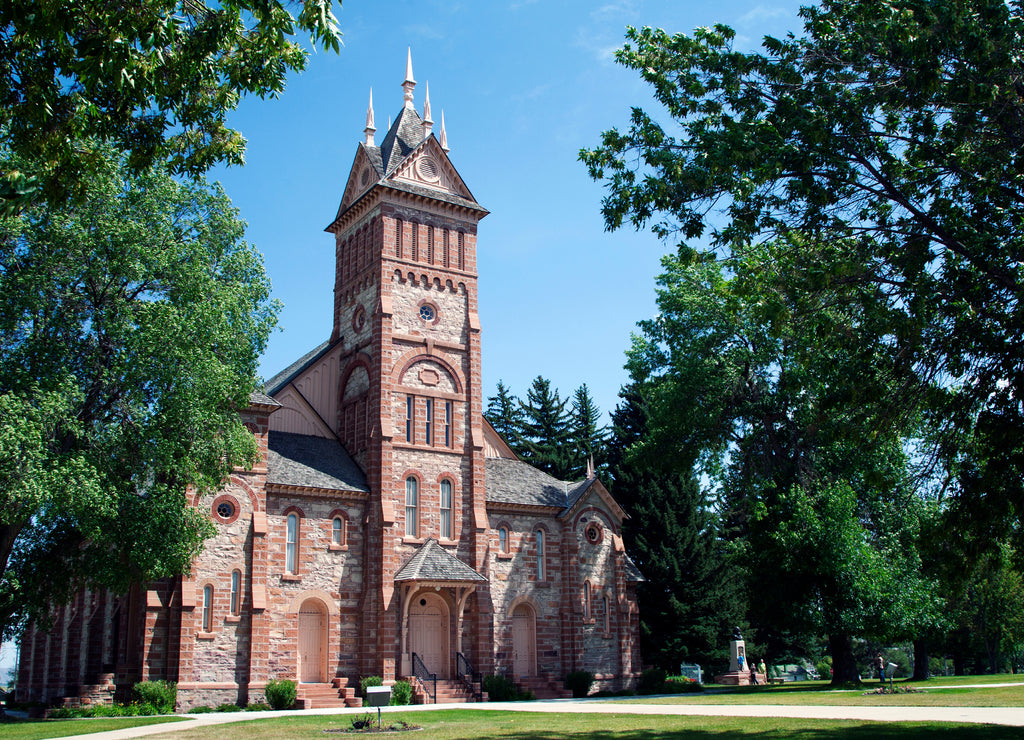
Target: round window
{"points": [[428, 312], [593, 533], [359, 318], [225, 510]]}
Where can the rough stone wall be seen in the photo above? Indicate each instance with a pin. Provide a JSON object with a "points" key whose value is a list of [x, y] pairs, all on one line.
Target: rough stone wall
{"points": [[596, 571], [513, 578]]}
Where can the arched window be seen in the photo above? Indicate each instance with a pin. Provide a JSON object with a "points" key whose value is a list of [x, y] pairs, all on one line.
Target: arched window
{"points": [[208, 609], [411, 503], [586, 599], [502, 539], [446, 509], [291, 556], [338, 531], [236, 592], [540, 554]]}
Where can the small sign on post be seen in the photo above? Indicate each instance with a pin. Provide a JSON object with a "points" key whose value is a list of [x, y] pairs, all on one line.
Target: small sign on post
{"points": [[378, 696]]}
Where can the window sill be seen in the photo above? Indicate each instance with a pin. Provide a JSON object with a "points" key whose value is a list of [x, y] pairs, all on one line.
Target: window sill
{"points": [[337, 548], [448, 543], [543, 584], [407, 540], [206, 635], [504, 555], [291, 578], [233, 619]]}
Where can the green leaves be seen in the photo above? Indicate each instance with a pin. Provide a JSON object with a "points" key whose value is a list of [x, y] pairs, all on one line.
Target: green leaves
{"points": [[156, 80], [130, 329]]}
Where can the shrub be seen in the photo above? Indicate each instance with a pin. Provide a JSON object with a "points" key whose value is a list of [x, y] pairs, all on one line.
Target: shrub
{"points": [[200, 710], [824, 668], [229, 707], [401, 693], [680, 685], [161, 695], [651, 681], [281, 693], [503, 688], [579, 683], [366, 681], [260, 706]]}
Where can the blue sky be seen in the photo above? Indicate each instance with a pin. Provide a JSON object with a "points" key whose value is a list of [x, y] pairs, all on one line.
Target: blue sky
{"points": [[523, 85]]}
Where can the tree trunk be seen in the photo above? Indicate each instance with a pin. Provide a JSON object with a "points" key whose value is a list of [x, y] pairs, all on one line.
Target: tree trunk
{"points": [[844, 666], [920, 660]]}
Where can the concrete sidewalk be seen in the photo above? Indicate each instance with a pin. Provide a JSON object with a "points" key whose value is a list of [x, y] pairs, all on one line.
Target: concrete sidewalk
{"points": [[1008, 716]]}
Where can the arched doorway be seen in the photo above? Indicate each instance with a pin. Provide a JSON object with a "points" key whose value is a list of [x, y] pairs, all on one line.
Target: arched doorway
{"points": [[312, 641], [428, 632], [524, 641]]}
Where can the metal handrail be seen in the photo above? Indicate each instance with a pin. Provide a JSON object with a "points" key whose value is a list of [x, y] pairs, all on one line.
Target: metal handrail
{"points": [[419, 670], [469, 677]]}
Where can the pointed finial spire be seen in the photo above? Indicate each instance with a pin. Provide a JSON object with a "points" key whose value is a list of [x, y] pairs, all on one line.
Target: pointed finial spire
{"points": [[370, 128], [444, 136], [428, 123], [409, 83], [590, 468]]}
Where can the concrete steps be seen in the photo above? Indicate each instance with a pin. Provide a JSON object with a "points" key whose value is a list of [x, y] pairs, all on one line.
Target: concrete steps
{"points": [[337, 693]]}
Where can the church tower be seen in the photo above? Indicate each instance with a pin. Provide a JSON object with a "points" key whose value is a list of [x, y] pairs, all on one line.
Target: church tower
{"points": [[410, 395]]}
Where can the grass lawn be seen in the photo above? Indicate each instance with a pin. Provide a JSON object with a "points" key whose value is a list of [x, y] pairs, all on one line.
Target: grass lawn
{"points": [[31, 729], [482, 725], [933, 693]]}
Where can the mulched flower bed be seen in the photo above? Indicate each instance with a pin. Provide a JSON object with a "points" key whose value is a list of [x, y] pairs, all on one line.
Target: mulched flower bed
{"points": [[894, 690]]}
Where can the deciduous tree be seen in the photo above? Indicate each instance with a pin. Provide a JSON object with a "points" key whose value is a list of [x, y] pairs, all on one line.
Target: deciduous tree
{"points": [[895, 127], [154, 78], [130, 329]]}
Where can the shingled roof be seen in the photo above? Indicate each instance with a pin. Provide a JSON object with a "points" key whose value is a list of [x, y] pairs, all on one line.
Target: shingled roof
{"points": [[515, 482], [433, 563], [312, 462]]}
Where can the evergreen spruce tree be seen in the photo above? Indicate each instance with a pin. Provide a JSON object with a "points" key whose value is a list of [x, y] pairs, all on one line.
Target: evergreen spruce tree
{"points": [[589, 440], [505, 414], [546, 439], [692, 596]]}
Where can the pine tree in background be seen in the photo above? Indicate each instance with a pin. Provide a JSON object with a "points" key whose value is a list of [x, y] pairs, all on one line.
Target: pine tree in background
{"points": [[589, 440], [546, 438], [692, 596], [505, 413]]}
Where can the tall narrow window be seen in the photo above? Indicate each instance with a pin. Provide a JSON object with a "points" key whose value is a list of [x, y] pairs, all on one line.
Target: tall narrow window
{"points": [[502, 539], [430, 245], [409, 409], [462, 251], [447, 423], [236, 592], [446, 509], [398, 238], [428, 421], [586, 599], [607, 615], [208, 609], [444, 248], [540, 554], [415, 241], [338, 531], [411, 501], [291, 551]]}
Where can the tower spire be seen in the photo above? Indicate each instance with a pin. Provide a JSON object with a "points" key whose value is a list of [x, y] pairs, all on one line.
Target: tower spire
{"points": [[409, 83], [443, 138], [370, 128], [428, 123]]}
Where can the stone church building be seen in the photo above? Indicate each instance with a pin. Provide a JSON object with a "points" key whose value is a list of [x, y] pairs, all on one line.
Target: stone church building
{"points": [[386, 529]]}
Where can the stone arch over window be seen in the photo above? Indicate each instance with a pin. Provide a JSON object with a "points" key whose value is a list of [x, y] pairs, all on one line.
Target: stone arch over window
{"points": [[293, 517], [414, 356], [339, 526], [504, 532], [593, 513], [355, 379], [446, 493], [207, 590], [542, 548]]}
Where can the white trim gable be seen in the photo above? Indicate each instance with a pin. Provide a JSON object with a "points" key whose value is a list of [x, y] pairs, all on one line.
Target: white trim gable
{"points": [[429, 166]]}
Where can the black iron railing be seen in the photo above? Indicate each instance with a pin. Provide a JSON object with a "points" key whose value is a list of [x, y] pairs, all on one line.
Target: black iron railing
{"points": [[472, 679], [427, 679]]}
